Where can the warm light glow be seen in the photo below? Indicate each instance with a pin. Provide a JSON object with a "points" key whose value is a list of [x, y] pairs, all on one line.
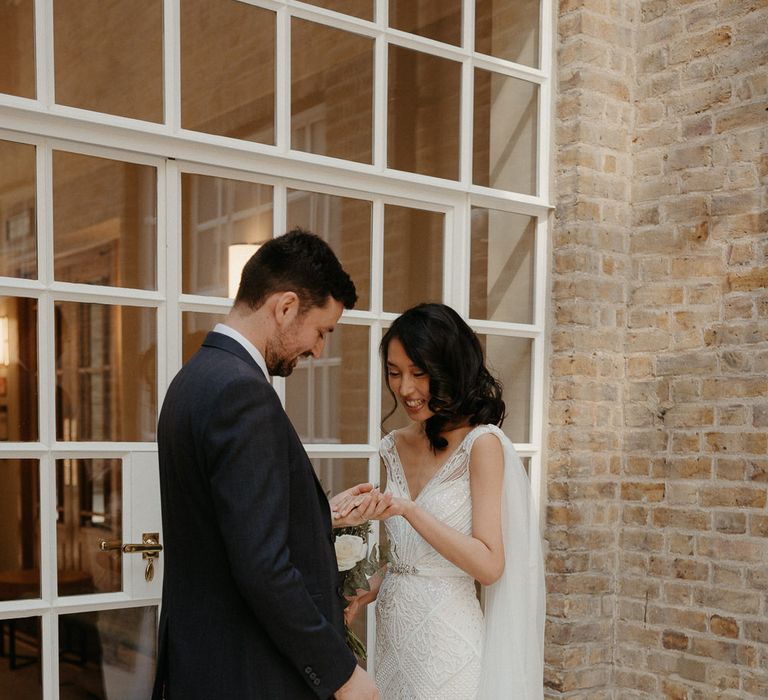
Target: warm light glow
{"points": [[239, 254], [5, 348]]}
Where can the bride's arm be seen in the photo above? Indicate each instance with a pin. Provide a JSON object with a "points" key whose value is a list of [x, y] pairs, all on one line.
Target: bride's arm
{"points": [[481, 555]]}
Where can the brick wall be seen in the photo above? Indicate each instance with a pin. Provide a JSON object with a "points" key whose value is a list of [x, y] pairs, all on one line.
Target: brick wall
{"points": [[658, 473]]}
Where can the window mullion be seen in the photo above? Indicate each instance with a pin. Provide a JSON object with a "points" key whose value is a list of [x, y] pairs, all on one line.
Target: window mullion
{"points": [[49, 641], [380, 111], [172, 65], [44, 52], [283, 81], [466, 121], [169, 242], [468, 25], [544, 131]]}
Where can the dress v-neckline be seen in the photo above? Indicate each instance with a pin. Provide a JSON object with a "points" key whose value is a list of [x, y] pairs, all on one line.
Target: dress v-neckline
{"points": [[438, 471]]}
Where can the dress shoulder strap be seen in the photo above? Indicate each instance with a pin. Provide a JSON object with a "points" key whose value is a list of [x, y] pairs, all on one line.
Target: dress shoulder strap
{"points": [[479, 430], [388, 453]]}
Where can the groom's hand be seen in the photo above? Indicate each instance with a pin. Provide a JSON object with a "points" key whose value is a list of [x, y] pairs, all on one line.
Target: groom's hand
{"points": [[358, 505], [360, 686], [345, 501]]}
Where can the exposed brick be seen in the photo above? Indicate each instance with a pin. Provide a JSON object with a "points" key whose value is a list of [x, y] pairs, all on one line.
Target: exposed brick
{"points": [[735, 497], [689, 415], [757, 631], [748, 281], [758, 525], [724, 626], [700, 45], [643, 491], [730, 523], [749, 443], [690, 669], [674, 640], [686, 363], [681, 519], [748, 115]]}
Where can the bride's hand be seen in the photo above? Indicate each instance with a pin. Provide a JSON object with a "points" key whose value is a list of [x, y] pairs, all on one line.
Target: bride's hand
{"points": [[363, 598], [345, 501], [356, 604], [358, 505], [398, 506]]}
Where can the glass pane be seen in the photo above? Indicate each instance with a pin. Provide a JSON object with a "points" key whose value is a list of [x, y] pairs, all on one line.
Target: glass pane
{"points": [[337, 474], [107, 654], [228, 69], [106, 384], [88, 510], [17, 48], [501, 266], [423, 114], [331, 92], [413, 257], [18, 369], [194, 327], [346, 224], [18, 256], [327, 398], [20, 642], [357, 8], [104, 221], [435, 20], [508, 30], [108, 56], [504, 131], [216, 214], [510, 360], [19, 529]]}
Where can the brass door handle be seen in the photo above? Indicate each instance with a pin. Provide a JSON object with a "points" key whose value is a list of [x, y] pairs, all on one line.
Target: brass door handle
{"points": [[142, 548], [149, 546], [149, 549]]}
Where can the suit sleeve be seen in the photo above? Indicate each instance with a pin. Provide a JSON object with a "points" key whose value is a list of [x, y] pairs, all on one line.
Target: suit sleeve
{"points": [[247, 452]]}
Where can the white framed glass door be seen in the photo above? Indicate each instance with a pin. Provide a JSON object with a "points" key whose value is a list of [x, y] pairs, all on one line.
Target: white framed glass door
{"points": [[79, 383], [137, 147]]}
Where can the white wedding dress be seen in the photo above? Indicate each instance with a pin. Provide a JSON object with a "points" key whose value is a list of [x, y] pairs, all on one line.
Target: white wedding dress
{"points": [[430, 629]]}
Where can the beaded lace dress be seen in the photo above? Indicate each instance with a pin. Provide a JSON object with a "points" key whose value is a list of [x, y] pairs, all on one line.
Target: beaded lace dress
{"points": [[429, 625]]}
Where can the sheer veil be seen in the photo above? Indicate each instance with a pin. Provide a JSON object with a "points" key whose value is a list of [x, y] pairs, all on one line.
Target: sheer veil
{"points": [[513, 653]]}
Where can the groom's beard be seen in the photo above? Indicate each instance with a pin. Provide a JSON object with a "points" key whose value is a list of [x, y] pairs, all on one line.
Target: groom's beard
{"points": [[280, 362], [281, 366]]}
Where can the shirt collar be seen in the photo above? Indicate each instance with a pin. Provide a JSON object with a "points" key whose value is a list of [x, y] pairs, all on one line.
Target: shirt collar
{"points": [[253, 351]]}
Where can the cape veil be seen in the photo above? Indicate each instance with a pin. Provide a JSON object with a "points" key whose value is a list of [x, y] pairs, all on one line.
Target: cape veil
{"points": [[513, 651]]}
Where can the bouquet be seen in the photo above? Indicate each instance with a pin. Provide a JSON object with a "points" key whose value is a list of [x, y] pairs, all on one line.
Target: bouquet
{"points": [[355, 566]]}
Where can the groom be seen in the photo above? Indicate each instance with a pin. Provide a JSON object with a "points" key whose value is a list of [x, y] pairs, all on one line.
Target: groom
{"points": [[251, 607]]}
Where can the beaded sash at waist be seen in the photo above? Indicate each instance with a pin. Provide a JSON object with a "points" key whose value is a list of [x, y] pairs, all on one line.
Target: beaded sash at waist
{"points": [[403, 569]]}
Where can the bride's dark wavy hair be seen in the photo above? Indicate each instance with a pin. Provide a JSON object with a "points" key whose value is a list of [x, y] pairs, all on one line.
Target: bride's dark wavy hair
{"points": [[462, 390]]}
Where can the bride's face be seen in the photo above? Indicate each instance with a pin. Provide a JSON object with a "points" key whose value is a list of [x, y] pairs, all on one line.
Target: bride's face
{"points": [[409, 382]]}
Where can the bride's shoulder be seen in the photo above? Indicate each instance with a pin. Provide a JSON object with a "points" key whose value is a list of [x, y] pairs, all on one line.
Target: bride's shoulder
{"points": [[486, 437], [388, 440]]}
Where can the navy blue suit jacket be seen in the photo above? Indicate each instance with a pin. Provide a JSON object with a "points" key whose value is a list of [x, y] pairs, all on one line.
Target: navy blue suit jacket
{"points": [[251, 605]]}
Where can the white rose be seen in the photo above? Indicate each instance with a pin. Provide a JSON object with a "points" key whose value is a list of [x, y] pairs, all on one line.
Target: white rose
{"points": [[350, 549]]}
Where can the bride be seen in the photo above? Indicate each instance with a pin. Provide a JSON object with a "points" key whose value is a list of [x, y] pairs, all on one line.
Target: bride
{"points": [[461, 512]]}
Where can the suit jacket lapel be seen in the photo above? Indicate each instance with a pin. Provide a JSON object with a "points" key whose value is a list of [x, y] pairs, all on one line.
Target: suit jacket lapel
{"points": [[224, 342]]}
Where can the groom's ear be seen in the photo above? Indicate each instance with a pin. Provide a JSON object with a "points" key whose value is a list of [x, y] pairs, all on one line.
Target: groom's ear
{"points": [[286, 308]]}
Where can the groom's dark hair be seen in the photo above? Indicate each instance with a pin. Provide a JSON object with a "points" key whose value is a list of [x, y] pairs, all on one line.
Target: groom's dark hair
{"points": [[300, 262]]}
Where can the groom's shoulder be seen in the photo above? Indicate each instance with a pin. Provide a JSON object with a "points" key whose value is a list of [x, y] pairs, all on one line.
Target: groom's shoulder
{"points": [[213, 369]]}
